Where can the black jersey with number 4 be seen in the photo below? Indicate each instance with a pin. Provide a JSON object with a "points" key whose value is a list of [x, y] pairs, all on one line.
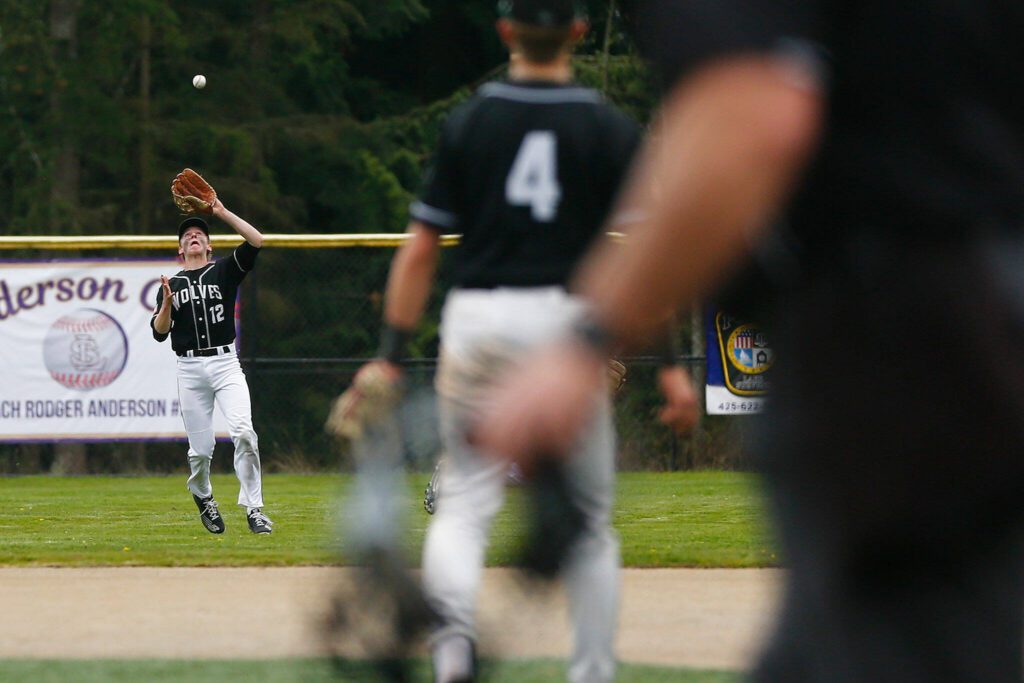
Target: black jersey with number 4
{"points": [[527, 172], [203, 302]]}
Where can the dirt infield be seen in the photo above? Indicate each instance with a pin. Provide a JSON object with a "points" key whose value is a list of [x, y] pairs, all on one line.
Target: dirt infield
{"points": [[705, 618]]}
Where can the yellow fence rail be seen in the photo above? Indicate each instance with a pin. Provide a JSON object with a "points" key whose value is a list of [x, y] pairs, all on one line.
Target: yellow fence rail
{"points": [[170, 243]]}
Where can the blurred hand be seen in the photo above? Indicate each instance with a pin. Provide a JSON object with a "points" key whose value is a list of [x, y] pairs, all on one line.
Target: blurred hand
{"points": [[682, 409], [539, 410], [374, 392], [389, 369]]}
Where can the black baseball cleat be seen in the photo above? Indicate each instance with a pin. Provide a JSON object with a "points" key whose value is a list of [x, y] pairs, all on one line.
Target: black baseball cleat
{"points": [[209, 514], [259, 523], [430, 499], [433, 490]]}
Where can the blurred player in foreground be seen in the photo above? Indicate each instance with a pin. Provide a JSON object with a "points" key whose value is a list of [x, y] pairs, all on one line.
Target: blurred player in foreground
{"points": [[196, 307], [527, 171], [892, 136]]}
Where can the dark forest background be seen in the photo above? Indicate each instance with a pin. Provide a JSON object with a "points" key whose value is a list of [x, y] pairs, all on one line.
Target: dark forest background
{"points": [[318, 117]]}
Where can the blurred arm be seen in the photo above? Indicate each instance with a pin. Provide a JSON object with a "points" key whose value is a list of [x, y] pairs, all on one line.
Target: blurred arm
{"points": [[732, 140], [411, 277]]}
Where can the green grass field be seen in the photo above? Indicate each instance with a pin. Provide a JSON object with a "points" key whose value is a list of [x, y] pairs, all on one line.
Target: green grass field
{"points": [[309, 671], [695, 519]]}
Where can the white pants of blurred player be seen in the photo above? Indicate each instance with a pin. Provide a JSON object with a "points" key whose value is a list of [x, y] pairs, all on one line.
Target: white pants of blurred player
{"points": [[219, 380], [482, 333]]}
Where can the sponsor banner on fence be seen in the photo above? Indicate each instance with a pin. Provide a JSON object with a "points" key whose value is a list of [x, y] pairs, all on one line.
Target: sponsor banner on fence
{"points": [[739, 358], [78, 360]]}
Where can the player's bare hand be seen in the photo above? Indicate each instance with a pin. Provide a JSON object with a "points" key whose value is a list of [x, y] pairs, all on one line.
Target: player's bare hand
{"points": [[217, 208], [165, 287], [682, 409], [539, 411]]}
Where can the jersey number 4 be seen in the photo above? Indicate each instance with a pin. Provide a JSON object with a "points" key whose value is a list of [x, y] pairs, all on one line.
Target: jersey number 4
{"points": [[533, 180]]}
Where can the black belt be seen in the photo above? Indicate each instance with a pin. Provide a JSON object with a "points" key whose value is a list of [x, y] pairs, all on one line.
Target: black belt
{"points": [[215, 351]]}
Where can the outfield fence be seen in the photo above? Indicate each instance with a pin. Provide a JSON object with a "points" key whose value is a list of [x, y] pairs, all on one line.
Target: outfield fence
{"points": [[309, 317]]}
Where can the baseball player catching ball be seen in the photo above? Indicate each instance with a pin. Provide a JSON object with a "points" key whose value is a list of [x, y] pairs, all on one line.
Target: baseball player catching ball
{"points": [[196, 308]]}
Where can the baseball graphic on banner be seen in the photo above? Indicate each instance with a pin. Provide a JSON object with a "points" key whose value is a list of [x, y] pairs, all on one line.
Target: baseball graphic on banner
{"points": [[85, 350]]}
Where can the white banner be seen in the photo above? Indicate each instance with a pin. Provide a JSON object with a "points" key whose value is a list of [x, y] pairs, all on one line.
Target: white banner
{"points": [[78, 359]]}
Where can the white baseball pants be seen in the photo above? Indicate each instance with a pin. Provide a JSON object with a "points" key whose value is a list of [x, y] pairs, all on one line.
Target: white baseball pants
{"points": [[202, 383], [491, 329]]}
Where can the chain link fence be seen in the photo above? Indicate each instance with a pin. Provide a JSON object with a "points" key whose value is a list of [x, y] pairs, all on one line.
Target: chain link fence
{"points": [[309, 317]]}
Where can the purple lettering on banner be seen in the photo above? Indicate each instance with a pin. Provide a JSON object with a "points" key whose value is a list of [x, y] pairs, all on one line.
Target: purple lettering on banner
{"points": [[65, 289], [42, 287], [87, 293], [34, 295], [48, 409], [117, 286], [148, 295], [10, 410], [127, 407], [24, 295], [6, 305]]}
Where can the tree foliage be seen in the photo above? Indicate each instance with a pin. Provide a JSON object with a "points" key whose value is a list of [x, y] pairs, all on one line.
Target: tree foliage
{"points": [[318, 116]]}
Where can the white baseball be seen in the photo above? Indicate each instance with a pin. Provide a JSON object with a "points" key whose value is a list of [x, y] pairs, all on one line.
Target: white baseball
{"points": [[199, 81], [85, 350]]}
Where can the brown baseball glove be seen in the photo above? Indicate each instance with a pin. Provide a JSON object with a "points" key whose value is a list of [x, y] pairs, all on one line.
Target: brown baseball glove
{"points": [[192, 194], [374, 392]]}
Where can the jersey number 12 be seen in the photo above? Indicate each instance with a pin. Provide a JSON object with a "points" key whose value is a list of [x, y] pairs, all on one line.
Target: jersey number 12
{"points": [[533, 180]]}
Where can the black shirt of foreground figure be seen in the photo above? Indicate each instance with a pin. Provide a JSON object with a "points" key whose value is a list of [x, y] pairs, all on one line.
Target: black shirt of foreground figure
{"points": [[892, 447]]}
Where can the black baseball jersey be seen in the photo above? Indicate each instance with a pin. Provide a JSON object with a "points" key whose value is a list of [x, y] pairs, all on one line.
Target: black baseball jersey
{"points": [[203, 302], [924, 138], [527, 171], [920, 159]]}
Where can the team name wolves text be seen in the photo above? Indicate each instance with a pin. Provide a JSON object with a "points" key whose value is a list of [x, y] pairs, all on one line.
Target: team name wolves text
{"points": [[183, 296]]}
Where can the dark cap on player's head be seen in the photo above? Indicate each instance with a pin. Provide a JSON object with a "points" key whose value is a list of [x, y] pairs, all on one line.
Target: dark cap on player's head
{"points": [[193, 222], [547, 13]]}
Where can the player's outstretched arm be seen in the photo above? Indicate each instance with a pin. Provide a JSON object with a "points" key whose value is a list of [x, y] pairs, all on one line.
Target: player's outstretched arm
{"points": [[733, 138], [239, 225], [682, 406], [411, 277], [405, 297]]}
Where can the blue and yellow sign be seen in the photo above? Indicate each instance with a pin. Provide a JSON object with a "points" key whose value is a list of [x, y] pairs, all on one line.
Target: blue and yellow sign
{"points": [[739, 358]]}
